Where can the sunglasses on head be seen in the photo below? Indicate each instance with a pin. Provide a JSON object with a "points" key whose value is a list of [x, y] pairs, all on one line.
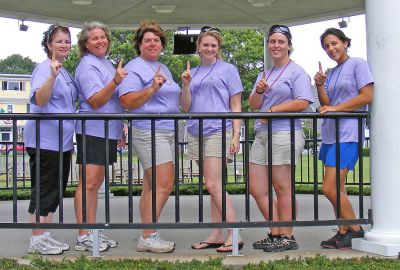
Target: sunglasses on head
{"points": [[53, 28], [205, 29], [280, 29]]}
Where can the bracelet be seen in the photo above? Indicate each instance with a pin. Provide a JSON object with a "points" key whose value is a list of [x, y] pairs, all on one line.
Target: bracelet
{"points": [[259, 92], [319, 84], [270, 109], [115, 82]]}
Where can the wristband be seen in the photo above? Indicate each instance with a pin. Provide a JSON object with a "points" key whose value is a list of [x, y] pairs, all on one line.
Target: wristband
{"points": [[115, 82], [319, 84], [259, 92]]}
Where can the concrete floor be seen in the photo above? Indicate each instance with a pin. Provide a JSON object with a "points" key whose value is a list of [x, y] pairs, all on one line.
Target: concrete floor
{"points": [[15, 241]]}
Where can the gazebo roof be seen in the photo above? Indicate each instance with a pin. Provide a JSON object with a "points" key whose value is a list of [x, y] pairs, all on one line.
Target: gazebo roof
{"points": [[188, 13]]}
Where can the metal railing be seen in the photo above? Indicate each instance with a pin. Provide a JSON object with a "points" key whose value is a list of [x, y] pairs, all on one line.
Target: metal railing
{"points": [[313, 175]]}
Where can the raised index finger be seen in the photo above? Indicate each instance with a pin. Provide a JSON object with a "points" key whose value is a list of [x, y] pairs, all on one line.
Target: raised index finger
{"points": [[320, 66], [263, 75], [188, 65], [53, 57], [158, 69], [120, 63]]}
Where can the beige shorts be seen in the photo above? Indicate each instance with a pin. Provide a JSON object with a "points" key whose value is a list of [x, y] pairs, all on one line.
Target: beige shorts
{"points": [[212, 146], [280, 147], [165, 146]]}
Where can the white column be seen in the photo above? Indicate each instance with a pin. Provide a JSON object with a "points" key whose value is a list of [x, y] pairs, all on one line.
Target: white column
{"points": [[383, 43], [267, 58]]}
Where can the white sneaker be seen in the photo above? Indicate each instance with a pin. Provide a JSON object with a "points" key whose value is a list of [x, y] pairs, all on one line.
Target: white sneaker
{"points": [[86, 244], [171, 243], [110, 242], [43, 247], [153, 243], [55, 242]]}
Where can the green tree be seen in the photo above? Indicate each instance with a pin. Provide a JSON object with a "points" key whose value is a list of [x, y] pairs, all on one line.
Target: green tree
{"points": [[17, 64], [244, 49], [72, 61]]}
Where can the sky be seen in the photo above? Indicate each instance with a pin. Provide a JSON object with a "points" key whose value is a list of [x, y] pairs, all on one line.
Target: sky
{"points": [[306, 44]]}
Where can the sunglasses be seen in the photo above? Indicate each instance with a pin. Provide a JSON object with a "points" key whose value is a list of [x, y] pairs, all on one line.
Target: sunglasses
{"points": [[54, 27], [280, 29], [205, 29]]}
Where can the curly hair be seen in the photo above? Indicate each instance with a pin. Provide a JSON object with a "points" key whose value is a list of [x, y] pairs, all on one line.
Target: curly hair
{"points": [[84, 36], [48, 36]]}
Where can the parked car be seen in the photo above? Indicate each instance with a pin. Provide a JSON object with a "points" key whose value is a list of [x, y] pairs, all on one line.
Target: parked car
{"points": [[9, 149]]}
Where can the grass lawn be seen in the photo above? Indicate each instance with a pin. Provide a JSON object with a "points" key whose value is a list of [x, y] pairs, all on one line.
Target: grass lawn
{"points": [[319, 262]]}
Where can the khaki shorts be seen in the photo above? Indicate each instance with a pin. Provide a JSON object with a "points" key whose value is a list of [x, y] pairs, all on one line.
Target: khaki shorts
{"points": [[212, 146], [165, 146], [280, 147]]}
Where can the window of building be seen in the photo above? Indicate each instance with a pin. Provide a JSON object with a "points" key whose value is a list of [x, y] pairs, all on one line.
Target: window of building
{"points": [[13, 86], [10, 108]]}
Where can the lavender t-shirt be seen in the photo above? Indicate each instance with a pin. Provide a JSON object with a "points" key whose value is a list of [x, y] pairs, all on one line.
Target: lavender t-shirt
{"points": [[62, 100], [211, 88], [92, 75], [342, 84], [286, 83], [165, 100]]}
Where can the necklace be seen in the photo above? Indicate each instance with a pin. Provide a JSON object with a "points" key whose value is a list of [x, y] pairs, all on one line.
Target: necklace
{"points": [[70, 83], [330, 77], [269, 88], [169, 80], [201, 81]]}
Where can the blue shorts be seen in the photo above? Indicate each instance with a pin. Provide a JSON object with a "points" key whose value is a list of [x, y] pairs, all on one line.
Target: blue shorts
{"points": [[348, 155]]}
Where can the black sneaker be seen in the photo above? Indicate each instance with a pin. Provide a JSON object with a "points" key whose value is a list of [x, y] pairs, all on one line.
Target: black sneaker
{"points": [[331, 242], [282, 243], [264, 242], [345, 242]]}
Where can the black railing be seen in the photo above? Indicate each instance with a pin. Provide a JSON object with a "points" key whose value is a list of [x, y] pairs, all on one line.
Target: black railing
{"points": [[180, 176]]}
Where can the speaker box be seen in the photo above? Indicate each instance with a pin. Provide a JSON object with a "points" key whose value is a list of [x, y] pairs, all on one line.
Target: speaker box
{"points": [[185, 44]]}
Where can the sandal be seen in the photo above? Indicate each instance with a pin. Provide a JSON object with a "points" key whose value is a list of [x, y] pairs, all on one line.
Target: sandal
{"points": [[228, 248], [206, 245]]}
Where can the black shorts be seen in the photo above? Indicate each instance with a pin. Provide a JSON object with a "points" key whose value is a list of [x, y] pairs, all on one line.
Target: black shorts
{"points": [[96, 150], [49, 179]]}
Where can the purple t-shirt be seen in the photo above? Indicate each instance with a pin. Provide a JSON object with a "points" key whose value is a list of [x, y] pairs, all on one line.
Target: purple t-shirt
{"points": [[62, 100], [165, 100], [342, 84], [92, 75], [211, 88], [288, 83]]}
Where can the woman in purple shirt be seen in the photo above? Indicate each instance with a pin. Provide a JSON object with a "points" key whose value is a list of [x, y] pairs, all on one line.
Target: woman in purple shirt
{"points": [[214, 86], [150, 88], [97, 82], [52, 91], [285, 87], [346, 88]]}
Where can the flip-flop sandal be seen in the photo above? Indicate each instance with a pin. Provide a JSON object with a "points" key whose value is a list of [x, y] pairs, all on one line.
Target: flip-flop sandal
{"points": [[223, 248], [206, 245]]}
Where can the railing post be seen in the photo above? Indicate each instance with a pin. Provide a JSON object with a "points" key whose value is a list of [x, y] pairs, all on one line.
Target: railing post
{"points": [[95, 238], [235, 243]]}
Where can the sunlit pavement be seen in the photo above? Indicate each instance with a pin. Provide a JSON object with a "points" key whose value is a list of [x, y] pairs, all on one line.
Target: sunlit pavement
{"points": [[15, 241]]}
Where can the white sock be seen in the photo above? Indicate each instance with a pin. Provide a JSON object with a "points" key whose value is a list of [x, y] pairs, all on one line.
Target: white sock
{"points": [[81, 237], [36, 238]]}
